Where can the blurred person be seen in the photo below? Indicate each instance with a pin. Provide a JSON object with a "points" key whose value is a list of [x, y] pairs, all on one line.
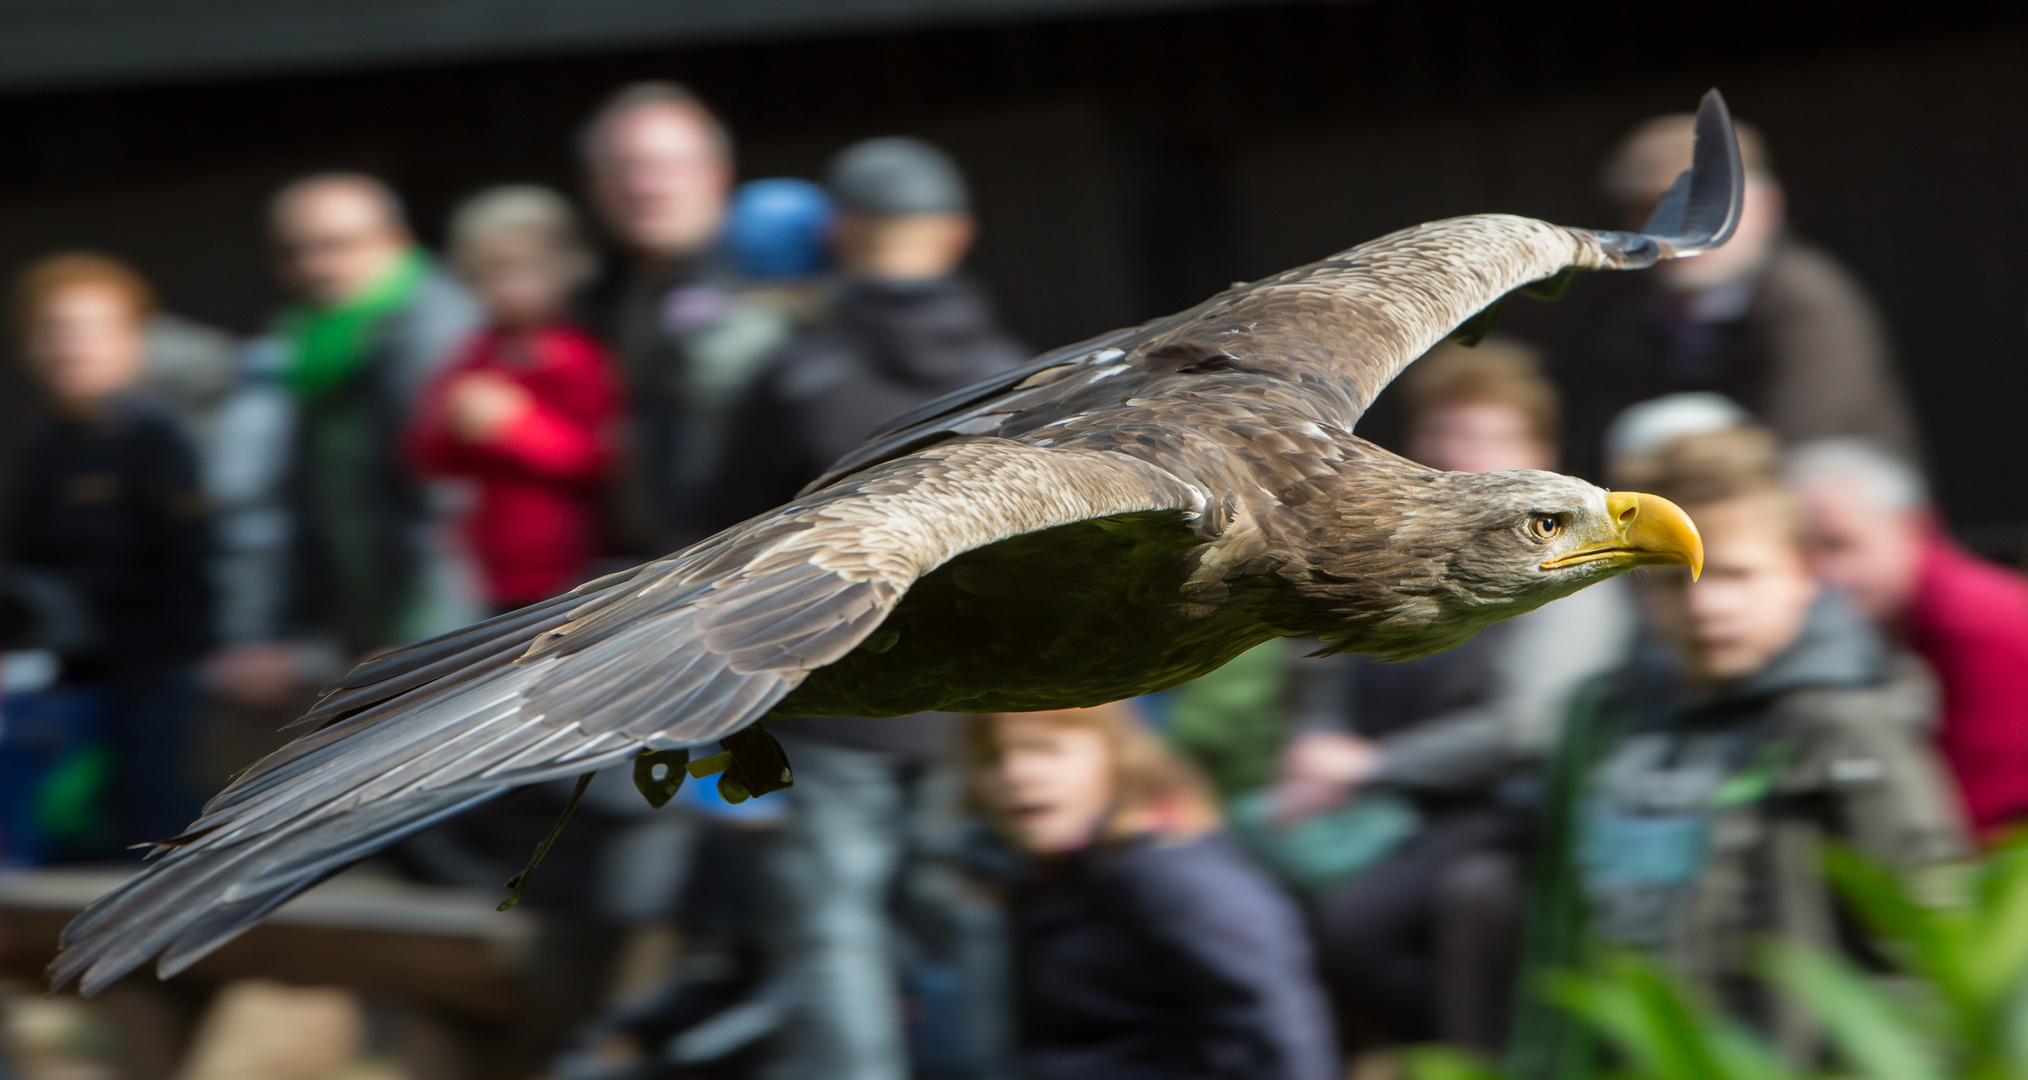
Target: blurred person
{"points": [[659, 170], [780, 229], [372, 563], [108, 519], [778, 236], [1874, 535], [1761, 717], [1768, 320], [524, 409], [1145, 945], [904, 326], [1423, 940]]}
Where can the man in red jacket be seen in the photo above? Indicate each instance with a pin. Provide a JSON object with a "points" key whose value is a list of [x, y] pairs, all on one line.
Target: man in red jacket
{"points": [[1874, 535]]}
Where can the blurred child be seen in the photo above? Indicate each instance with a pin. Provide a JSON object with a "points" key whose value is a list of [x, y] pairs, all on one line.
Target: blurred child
{"points": [[1694, 786], [1144, 945], [524, 410], [107, 539]]}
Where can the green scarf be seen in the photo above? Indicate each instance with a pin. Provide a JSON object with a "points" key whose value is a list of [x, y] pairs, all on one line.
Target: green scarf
{"points": [[327, 345]]}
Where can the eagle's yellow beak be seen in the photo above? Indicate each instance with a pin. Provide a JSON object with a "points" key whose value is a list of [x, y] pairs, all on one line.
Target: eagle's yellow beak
{"points": [[1643, 530]]}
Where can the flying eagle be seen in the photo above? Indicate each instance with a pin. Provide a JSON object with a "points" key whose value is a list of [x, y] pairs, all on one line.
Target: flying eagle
{"points": [[1113, 518]]}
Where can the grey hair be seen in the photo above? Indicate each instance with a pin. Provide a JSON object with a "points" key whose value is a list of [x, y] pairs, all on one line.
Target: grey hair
{"points": [[1887, 480], [643, 95]]}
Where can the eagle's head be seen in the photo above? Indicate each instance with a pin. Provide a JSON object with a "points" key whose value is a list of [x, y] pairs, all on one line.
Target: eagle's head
{"points": [[1421, 560]]}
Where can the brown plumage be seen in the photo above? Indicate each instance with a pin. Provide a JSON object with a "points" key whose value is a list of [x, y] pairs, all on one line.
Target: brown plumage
{"points": [[1114, 518]]}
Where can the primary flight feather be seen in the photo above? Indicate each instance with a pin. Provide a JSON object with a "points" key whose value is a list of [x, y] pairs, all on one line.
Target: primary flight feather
{"points": [[1114, 518]]}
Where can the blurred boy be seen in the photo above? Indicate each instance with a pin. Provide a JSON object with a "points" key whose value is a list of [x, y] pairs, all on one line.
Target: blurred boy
{"points": [[107, 510], [524, 410], [1874, 536], [1694, 787], [1145, 946], [1423, 940]]}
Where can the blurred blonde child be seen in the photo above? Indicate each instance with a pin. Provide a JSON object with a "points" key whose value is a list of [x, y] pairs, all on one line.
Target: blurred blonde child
{"points": [[525, 409]]}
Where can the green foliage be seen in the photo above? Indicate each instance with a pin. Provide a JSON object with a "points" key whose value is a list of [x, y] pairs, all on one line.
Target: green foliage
{"points": [[1956, 1009]]}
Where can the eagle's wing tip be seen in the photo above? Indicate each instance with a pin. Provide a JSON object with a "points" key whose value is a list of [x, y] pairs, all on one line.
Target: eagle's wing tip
{"points": [[1701, 210]]}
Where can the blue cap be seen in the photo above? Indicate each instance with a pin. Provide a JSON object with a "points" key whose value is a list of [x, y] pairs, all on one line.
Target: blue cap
{"points": [[779, 228]]}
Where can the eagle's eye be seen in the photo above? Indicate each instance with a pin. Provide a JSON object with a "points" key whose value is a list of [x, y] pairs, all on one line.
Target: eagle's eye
{"points": [[1545, 526]]}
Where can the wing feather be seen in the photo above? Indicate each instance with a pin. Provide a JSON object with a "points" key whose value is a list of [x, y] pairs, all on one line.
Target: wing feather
{"points": [[678, 652]]}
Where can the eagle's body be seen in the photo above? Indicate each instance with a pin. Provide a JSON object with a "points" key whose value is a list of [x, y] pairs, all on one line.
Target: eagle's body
{"points": [[1116, 517]]}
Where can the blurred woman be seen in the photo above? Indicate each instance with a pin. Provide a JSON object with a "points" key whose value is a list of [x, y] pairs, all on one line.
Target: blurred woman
{"points": [[1144, 945], [524, 410], [106, 545]]}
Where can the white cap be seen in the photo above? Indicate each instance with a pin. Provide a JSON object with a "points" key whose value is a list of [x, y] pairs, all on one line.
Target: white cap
{"points": [[1655, 423]]}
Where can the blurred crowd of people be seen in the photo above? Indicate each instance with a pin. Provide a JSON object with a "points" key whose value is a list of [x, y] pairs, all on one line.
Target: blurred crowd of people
{"points": [[1261, 874]]}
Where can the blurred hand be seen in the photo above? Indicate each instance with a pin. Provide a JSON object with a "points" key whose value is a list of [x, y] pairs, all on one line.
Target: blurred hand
{"points": [[264, 674], [481, 404], [1320, 770]]}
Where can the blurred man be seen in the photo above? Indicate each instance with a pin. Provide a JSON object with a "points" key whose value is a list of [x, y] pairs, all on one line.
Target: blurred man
{"points": [[1422, 940], [905, 326], [659, 168], [372, 563], [1874, 536], [1768, 320], [1692, 787], [106, 543]]}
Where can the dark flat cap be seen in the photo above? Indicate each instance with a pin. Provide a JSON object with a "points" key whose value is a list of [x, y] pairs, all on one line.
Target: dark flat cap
{"points": [[897, 175]]}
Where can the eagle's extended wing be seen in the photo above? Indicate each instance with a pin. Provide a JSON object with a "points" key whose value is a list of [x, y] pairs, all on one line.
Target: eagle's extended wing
{"points": [[674, 653], [1340, 329]]}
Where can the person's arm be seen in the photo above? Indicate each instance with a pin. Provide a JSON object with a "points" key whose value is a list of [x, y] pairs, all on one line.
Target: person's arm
{"points": [[1255, 1008], [1544, 657], [1832, 364], [1986, 737], [1867, 756], [545, 443]]}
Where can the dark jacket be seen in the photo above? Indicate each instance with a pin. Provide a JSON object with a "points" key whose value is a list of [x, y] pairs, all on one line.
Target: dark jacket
{"points": [[1687, 827], [689, 341], [1801, 346], [884, 348], [110, 514], [1164, 961]]}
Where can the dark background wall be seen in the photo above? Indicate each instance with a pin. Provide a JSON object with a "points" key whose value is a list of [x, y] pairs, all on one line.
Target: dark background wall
{"points": [[1129, 165]]}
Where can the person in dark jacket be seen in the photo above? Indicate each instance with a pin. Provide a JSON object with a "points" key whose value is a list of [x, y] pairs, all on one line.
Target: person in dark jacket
{"points": [[1145, 946], [1769, 320], [107, 512], [904, 327], [1762, 718], [670, 305]]}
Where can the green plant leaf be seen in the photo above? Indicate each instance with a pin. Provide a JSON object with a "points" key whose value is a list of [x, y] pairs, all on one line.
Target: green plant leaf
{"points": [[1446, 1063], [1866, 1027], [1644, 1015], [1744, 1057], [1934, 945], [2000, 927]]}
